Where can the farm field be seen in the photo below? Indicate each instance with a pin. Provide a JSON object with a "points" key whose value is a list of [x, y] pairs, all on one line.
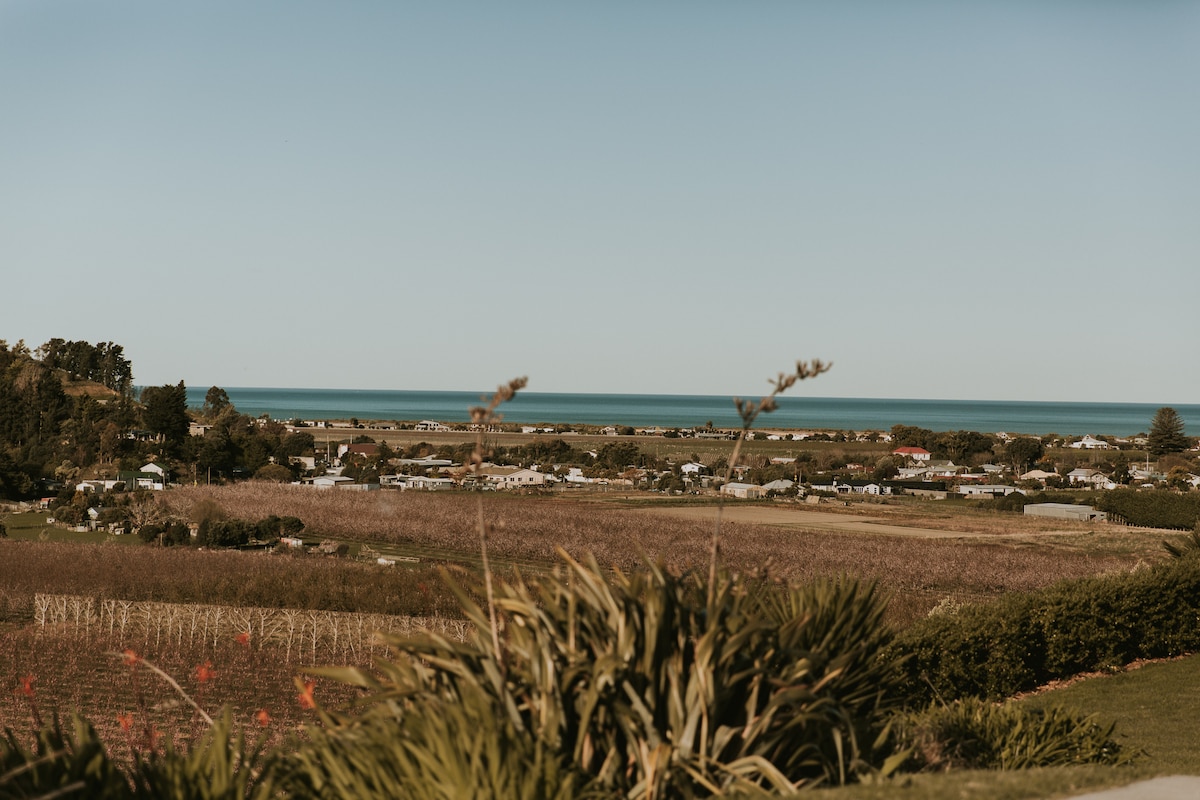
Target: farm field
{"points": [[246, 658]]}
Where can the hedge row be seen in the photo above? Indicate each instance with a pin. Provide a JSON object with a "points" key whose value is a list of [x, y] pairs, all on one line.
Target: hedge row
{"points": [[1077, 626], [1156, 509]]}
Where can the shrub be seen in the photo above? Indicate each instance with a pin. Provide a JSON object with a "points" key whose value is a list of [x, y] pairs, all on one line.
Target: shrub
{"points": [[1153, 509], [973, 734], [1076, 626], [642, 684]]}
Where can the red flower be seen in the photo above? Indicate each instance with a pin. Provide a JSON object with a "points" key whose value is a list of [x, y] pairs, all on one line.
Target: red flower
{"points": [[306, 695], [126, 722], [131, 658], [205, 673], [243, 638], [262, 717], [27, 685]]}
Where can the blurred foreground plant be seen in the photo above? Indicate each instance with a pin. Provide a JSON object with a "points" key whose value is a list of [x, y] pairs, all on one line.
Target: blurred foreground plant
{"points": [[647, 685]]}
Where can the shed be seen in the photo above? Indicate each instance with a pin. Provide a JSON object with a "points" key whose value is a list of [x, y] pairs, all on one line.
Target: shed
{"points": [[1065, 511]]}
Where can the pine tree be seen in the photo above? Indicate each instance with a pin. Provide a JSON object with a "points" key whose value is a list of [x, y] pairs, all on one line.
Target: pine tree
{"points": [[1166, 433]]}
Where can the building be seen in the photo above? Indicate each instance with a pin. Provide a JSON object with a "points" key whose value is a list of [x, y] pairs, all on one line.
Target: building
{"points": [[913, 453], [744, 491], [986, 490], [511, 477], [1065, 511], [1090, 442]]}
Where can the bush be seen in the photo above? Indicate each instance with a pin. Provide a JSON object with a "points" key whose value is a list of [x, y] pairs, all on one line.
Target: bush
{"points": [[1077, 626], [973, 734], [1153, 509]]}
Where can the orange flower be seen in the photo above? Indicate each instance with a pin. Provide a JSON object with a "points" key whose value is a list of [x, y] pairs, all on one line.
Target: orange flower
{"points": [[262, 717], [27, 685], [126, 722], [306, 694], [243, 638], [131, 658], [205, 672]]}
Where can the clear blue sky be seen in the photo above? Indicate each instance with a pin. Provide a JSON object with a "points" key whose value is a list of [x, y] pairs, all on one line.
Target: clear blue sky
{"points": [[948, 200]]}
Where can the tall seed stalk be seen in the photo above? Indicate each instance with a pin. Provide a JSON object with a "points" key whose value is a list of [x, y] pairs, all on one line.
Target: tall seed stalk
{"points": [[483, 417], [749, 411]]}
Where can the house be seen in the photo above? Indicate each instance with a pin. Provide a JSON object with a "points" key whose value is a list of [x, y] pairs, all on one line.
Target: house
{"points": [[309, 463], [692, 468], [365, 449], [1090, 442], [522, 478], [943, 469], [1065, 511], [913, 453], [1092, 477], [744, 491], [511, 477], [141, 480], [781, 486], [404, 482], [430, 425], [1036, 475]]}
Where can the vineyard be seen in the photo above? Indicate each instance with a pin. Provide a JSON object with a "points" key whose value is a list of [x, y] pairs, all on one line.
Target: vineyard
{"points": [[86, 654], [295, 635]]}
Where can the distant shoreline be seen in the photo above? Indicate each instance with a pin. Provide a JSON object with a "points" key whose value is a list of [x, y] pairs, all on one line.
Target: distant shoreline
{"points": [[1121, 420]]}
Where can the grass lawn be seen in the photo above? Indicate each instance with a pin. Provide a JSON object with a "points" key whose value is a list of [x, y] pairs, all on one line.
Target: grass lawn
{"points": [[32, 526], [1156, 710]]}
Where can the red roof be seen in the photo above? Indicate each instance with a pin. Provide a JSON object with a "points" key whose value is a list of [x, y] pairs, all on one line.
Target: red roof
{"points": [[913, 451]]}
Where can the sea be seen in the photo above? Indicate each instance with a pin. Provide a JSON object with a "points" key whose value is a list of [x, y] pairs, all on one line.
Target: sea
{"points": [[688, 411]]}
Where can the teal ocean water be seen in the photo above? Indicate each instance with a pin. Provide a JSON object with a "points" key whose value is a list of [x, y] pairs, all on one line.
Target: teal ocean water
{"points": [[826, 413]]}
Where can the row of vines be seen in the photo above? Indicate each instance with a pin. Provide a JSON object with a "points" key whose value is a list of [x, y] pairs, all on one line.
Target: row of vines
{"points": [[296, 635]]}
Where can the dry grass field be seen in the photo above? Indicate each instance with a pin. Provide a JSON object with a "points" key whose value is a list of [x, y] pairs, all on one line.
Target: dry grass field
{"points": [[1002, 554]]}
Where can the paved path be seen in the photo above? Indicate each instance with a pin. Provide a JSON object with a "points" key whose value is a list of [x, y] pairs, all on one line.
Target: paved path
{"points": [[1175, 787]]}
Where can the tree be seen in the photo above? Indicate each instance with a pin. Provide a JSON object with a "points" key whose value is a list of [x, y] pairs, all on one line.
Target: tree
{"points": [[216, 400], [165, 412], [1023, 452], [1166, 433]]}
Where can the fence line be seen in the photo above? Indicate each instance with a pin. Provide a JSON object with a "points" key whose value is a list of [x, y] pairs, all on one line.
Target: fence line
{"points": [[302, 634]]}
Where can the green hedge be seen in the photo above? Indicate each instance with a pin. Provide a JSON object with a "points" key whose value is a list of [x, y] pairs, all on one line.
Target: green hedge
{"points": [[1077, 626], [1158, 508]]}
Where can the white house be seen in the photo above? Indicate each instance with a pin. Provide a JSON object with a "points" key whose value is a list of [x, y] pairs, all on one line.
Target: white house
{"points": [[522, 478], [692, 468], [1090, 442], [511, 477], [1093, 478], [430, 425], [913, 453]]}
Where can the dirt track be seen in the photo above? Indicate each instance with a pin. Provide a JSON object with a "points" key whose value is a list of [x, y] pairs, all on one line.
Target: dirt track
{"points": [[810, 520]]}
